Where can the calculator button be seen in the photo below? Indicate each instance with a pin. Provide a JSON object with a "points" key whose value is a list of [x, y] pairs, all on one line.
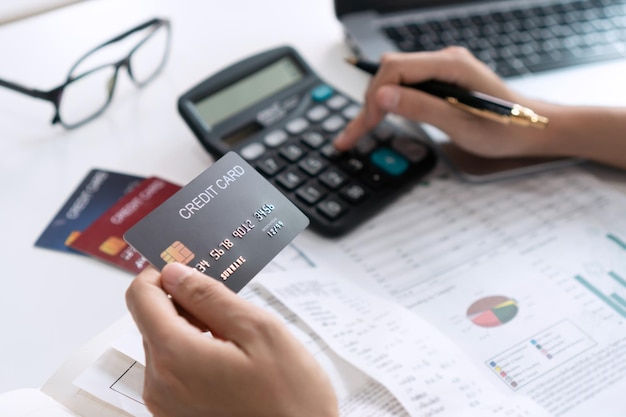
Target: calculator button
{"points": [[292, 152], [383, 132], [312, 165], [297, 126], [409, 148], [317, 113], [354, 193], [351, 111], [333, 178], [354, 165], [337, 102], [332, 208], [389, 161], [322, 93], [365, 145], [310, 193], [252, 151], [290, 179], [313, 139], [275, 138], [330, 152], [270, 165], [333, 124]]}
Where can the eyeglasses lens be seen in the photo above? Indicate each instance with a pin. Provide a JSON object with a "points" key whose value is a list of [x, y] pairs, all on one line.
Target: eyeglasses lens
{"points": [[148, 58], [90, 92], [86, 96]]}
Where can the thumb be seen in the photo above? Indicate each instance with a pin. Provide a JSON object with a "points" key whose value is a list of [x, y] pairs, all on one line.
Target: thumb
{"points": [[152, 310], [224, 313]]}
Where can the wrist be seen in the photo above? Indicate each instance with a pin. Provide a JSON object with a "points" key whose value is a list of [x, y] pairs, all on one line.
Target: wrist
{"points": [[592, 133], [551, 140]]}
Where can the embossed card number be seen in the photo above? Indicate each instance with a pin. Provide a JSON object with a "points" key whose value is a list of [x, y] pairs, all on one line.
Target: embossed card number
{"points": [[228, 223]]}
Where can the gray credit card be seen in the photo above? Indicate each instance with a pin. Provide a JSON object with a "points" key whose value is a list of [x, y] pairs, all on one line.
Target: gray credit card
{"points": [[229, 222]]}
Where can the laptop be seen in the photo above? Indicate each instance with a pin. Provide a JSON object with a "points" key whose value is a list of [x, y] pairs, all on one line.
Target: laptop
{"points": [[564, 51]]}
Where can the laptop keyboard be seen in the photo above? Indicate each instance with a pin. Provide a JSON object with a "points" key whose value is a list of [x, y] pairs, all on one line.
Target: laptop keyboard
{"points": [[527, 39]]}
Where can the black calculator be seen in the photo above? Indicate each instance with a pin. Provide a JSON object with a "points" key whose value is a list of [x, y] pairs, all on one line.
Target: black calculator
{"points": [[274, 111]]}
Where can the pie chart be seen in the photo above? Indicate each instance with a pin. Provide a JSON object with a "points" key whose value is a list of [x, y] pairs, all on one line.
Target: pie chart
{"points": [[492, 311]]}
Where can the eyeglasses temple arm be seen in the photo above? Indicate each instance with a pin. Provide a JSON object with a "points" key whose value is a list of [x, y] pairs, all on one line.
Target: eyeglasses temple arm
{"points": [[44, 95], [133, 30], [118, 38]]}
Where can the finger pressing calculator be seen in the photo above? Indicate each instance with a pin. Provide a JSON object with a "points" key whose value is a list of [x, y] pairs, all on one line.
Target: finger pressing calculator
{"points": [[274, 111]]}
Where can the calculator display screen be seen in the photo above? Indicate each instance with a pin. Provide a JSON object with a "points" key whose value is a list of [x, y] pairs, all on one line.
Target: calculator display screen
{"points": [[248, 91]]}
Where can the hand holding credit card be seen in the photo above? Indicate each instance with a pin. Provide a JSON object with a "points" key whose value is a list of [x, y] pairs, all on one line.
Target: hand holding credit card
{"points": [[229, 222]]}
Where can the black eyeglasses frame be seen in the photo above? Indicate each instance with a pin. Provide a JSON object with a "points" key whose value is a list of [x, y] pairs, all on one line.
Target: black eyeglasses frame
{"points": [[54, 95]]}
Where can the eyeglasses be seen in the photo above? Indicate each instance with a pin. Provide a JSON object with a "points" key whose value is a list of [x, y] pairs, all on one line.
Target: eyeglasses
{"points": [[85, 95]]}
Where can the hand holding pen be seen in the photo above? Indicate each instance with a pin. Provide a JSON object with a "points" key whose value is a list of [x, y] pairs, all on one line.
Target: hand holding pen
{"points": [[479, 104], [404, 85]]}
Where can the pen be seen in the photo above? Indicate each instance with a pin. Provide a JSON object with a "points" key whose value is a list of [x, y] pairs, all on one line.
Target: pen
{"points": [[473, 102]]}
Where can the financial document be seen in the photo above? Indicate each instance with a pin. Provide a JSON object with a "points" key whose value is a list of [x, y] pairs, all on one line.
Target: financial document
{"points": [[512, 290], [527, 277], [425, 371], [116, 378]]}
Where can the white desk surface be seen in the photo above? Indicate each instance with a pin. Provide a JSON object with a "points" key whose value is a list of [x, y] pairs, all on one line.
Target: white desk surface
{"points": [[52, 302]]}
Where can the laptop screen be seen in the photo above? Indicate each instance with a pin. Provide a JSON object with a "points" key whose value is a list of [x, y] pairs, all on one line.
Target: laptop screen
{"points": [[343, 7]]}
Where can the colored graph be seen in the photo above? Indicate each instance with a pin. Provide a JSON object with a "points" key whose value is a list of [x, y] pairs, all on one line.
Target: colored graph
{"points": [[617, 240], [613, 299], [612, 291], [492, 311]]}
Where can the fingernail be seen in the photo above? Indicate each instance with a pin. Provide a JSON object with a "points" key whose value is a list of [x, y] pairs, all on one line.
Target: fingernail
{"points": [[389, 98], [174, 274]]}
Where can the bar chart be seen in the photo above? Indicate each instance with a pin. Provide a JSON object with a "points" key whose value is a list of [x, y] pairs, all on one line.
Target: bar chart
{"points": [[612, 289]]}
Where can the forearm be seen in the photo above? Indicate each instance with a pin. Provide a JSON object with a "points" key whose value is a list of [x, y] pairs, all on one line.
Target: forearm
{"points": [[594, 133]]}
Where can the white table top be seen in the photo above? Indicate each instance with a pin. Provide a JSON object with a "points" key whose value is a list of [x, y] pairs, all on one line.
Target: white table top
{"points": [[55, 302]]}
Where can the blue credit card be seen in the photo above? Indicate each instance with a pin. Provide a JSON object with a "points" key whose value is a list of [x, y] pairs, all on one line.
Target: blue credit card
{"points": [[96, 193], [229, 222]]}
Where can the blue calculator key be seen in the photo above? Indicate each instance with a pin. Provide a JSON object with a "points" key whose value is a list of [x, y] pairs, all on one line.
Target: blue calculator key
{"points": [[322, 93], [389, 161]]}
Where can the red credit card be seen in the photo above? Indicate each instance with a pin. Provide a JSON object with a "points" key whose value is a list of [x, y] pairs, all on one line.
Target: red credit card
{"points": [[103, 239]]}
